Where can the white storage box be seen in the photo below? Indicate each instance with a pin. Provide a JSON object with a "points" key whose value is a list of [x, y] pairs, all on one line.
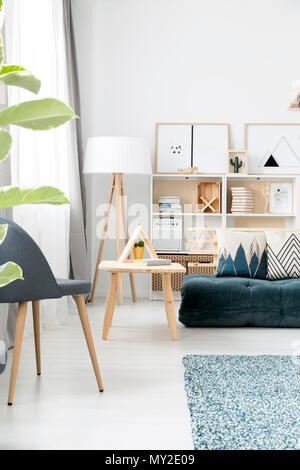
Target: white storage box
{"points": [[167, 234]]}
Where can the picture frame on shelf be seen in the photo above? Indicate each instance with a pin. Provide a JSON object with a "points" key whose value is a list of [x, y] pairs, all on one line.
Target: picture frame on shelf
{"points": [[242, 157], [210, 147], [202, 146], [173, 147], [273, 148], [280, 196]]}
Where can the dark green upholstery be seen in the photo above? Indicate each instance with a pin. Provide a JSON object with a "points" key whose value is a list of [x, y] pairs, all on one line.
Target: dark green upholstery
{"points": [[236, 301]]}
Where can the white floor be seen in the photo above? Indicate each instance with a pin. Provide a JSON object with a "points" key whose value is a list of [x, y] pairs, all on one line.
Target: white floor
{"points": [[143, 405]]}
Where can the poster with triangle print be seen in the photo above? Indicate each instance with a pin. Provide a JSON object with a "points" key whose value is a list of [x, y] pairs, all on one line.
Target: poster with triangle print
{"points": [[273, 148]]}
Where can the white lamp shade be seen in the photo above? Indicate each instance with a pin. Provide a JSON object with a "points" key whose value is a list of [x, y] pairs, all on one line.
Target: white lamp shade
{"points": [[117, 155]]}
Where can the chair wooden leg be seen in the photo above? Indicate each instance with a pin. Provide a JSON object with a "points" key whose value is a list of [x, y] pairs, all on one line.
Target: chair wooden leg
{"points": [[17, 349], [37, 334], [79, 299]]}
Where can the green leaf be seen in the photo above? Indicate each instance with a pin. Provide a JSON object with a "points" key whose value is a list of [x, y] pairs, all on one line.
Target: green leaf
{"points": [[43, 195], [15, 75], [37, 115], [10, 272], [11, 68], [3, 232], [5, 144]]}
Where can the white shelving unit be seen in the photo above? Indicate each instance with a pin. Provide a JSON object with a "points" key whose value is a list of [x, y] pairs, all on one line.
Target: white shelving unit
{"points": [[225, 219]]}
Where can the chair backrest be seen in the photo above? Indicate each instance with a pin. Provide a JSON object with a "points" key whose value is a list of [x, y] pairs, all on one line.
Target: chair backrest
{"points": [[39, 282]]}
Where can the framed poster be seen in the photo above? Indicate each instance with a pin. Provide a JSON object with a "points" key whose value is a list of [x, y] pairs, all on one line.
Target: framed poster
{"points": [[210, 147], [173, 147], [182, 146], [281, 198], [273, 148]]}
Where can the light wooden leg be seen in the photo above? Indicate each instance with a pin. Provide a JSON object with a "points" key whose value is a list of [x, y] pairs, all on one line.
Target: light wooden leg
{"points": [[79, 299], [118, 233], [37, 334], [17, 349], [169, 304], [110, 305], [101, 246], [125, 227]]}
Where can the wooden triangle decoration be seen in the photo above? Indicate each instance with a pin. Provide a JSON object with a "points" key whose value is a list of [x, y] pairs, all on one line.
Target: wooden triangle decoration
{"points": [[138, 233], [210, 238]]}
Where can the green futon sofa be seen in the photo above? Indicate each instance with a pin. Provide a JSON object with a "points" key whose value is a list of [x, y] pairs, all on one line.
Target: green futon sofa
{"points": [[237, 301]]}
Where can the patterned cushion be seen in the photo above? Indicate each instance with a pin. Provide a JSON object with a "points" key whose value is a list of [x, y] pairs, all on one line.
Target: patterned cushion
{"points": [[283, 249], [242, 254]]}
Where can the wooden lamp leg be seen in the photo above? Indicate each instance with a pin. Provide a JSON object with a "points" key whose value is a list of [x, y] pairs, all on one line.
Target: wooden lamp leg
{"points": [[37, 334], [17, 349], [118, 179], [169, 304], [79, 299], [125, 227], [101, 246]]}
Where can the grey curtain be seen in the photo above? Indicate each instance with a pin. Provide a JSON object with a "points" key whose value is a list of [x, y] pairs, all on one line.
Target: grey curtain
{"points": [[78, 245]]}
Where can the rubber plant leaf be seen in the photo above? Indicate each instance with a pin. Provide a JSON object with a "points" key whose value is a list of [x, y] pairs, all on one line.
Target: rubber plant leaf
{"points": [[10, 272], [39, 115], [14, 196], [14, 75]]}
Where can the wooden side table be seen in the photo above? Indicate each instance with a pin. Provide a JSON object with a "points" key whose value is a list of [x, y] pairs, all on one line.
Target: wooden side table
{"points": [[136, 267]]}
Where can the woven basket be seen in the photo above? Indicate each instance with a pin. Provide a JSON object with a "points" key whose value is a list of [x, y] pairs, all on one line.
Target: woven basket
{"points": [[203, 262]]}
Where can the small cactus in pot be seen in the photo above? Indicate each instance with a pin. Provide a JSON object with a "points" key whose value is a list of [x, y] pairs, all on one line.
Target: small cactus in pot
{"points": [[236, 164], [138, 249]]}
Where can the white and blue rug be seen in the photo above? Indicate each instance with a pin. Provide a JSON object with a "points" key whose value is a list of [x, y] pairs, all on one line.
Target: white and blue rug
{"points": [[243, 402]]}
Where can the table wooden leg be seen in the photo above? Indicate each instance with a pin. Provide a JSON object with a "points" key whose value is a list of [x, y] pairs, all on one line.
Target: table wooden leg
{"points": [[169, 304], [110, 305]]}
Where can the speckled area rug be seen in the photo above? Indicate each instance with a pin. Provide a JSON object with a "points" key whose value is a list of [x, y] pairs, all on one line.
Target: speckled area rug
{"points": [[243, 402]]}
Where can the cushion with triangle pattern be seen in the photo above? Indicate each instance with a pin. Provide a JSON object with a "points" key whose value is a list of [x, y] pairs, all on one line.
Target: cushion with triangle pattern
{"points": [[283, 255], [242, 254]]}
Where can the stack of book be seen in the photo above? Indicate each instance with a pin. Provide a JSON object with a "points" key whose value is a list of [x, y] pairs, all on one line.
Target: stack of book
{"points": [[242, 200], [169, 204]]}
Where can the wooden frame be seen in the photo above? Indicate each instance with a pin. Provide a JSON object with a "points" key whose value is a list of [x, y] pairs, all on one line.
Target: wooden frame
{"points": [[188, 124], [139, 232], [211, 240], [231, 153], [270, 183], [209, 194], [246, 143]]}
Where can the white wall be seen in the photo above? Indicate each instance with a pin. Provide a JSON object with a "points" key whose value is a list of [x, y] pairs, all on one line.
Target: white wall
{"points": [[143, 61]]}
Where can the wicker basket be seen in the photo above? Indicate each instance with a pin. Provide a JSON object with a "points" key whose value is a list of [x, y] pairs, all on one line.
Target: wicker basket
{"points": [[201, 268], [176, 279], [204, 265]]}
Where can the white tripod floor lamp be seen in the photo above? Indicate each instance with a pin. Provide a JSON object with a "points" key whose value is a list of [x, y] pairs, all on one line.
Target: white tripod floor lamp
{"points": [[116, 156]]}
